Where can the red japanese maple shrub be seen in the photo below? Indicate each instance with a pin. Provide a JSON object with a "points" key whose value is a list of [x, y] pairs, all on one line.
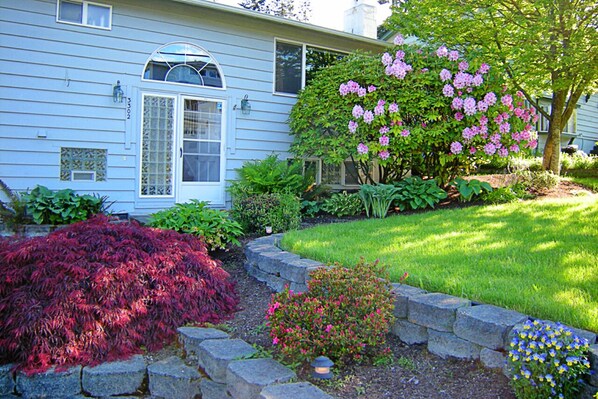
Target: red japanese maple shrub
{"points": [[97, 291]]}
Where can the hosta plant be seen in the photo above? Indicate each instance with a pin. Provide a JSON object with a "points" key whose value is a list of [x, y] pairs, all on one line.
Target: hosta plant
{"points": [[343, 204], [547, 361], [194, 217], [62, 207], [416, 193], [468, 189], [98, 291], [345, 315]]}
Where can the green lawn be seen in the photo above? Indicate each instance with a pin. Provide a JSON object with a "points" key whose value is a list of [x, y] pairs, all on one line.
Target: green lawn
{"points": [[589, 182], [537, 257]]}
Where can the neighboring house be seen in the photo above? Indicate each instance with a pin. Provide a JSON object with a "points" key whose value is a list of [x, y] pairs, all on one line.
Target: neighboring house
{"points": [[582, 128], [150, 102]]}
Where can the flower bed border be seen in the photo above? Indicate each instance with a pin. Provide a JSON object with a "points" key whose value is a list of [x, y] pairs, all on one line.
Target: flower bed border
{"points": [[449, 326]]}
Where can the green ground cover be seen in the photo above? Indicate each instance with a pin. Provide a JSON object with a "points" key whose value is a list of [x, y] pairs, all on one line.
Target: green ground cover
{"points": [[537, 257]]}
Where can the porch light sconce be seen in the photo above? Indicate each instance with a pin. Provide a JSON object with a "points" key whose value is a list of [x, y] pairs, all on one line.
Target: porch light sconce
{"points": [[117, 93], [245, 106], [321, 365]]}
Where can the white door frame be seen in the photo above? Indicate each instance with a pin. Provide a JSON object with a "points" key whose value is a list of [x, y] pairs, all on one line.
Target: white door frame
{"points": [[216, 190]]}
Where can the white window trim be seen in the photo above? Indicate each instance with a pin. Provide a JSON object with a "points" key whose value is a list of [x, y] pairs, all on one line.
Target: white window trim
{"points": [[343, 174], [74, 172], [84, 5], [569, 130], [304, 47], [214, 60]]}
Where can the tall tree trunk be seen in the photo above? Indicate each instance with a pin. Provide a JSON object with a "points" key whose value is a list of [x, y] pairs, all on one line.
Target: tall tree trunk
{"points": [[552, 149]]}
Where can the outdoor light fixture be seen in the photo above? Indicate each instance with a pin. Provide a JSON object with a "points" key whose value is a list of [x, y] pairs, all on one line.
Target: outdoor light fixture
{"points": [[245, 106], [321, 365], [117, 93]]}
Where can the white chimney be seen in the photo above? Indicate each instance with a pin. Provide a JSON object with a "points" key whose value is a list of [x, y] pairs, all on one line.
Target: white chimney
{"points": [[361, 19]]}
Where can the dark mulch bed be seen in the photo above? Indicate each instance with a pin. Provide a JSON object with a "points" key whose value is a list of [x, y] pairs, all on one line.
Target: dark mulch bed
{"points": [[416, 374]]}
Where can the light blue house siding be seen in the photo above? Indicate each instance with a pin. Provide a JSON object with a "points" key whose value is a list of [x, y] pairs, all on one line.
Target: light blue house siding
{"points": [[582, 127], [57, 80], [587, 123]]}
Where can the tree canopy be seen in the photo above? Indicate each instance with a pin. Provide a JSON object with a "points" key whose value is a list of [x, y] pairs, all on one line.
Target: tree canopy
{"points": [[547, 48], [280, 8]]}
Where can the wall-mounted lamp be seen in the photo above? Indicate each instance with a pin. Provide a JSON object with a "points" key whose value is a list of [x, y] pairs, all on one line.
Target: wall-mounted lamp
{"points": [[321, 365], [245, 105], [117, 93], [588, 97]]}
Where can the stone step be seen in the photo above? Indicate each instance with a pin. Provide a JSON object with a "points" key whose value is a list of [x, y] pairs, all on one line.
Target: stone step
{"points": [[246, 378], [171, 378], [50, 384], [191, 337], [114, 378], [7, 381], [213, 390], [214, 355], [298, 390]]}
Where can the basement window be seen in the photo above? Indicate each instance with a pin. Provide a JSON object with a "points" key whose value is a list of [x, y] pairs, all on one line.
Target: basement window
{"points": [[83, 164]]}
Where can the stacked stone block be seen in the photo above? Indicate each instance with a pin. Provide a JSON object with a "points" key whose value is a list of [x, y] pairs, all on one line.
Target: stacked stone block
{"points": [[266, 262]]}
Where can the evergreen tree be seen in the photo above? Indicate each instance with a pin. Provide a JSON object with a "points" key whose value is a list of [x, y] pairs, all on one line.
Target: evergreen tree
{"points": [[280, 8]]}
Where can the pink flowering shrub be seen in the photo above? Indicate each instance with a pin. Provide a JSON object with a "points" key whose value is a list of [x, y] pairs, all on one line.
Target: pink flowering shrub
{"points": [[345, 315], [432, 110]]}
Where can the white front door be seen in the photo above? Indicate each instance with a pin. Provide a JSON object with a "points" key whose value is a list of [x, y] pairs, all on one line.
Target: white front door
{"points": [[201, 156]]}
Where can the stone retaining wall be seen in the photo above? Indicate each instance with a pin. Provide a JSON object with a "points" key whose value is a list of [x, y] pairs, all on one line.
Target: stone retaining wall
{"points": [[215, 367], [449, 326]]}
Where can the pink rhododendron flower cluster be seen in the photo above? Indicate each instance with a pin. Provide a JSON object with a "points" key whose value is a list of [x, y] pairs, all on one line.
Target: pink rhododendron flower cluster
{"points": [[362, 149], [456, 147], [384, 154]]}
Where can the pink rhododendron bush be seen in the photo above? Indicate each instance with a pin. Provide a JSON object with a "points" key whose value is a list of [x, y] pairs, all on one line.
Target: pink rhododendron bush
{"points": [[345, 314], [411, 108]]}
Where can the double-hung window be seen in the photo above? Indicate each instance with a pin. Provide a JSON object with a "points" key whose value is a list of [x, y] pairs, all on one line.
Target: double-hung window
{"points": [[343, 175], [297, 63], [84, 13]]}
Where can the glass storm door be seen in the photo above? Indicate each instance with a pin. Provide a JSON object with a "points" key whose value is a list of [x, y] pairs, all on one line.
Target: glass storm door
{"points": [[201, 151]]}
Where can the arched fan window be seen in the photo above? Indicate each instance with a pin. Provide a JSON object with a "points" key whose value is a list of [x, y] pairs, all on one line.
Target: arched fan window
{"points": [[184, 63]]}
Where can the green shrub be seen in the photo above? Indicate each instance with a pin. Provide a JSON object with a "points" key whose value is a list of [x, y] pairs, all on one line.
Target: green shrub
{"points": [[578, 161], [310, 208], [418, 193], [269, 175], [377, 199], [547, 360], [470, 188], [510, 193], [343, 204], [345, 315], [538, 181], [516, 164], [281, 211], [62, 207], [196, 218], [13, 212]]}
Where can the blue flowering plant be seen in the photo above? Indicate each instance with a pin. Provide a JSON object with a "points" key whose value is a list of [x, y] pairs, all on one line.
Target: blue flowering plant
{"points": [[547, 361]]}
